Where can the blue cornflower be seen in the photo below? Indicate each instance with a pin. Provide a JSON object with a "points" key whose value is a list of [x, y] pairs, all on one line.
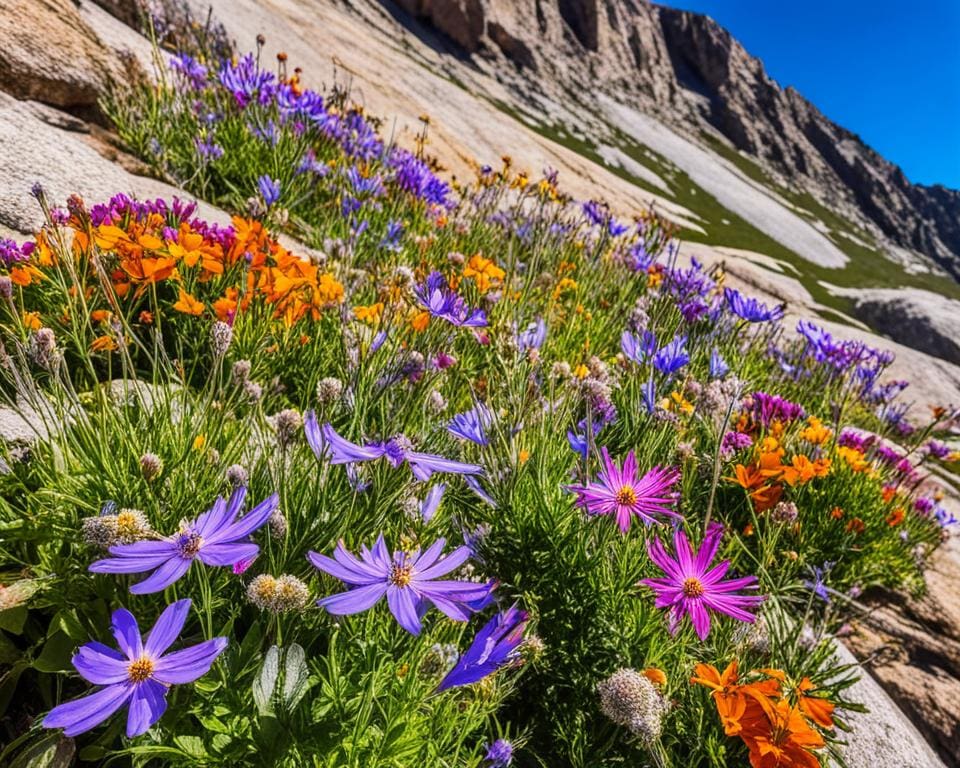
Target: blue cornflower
{"points": [[672, 357], [269, 189], [473, 424], [494, 646], [718, 366], [750, 309], [639, 348], [215, 538]]}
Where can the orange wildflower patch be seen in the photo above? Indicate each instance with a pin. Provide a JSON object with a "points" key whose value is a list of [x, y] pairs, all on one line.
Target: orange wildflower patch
{"points": [[777, 721]]}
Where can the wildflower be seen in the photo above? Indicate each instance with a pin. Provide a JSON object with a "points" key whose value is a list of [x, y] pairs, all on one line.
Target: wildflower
{"points": [[286, 424], [269, 190], [499, 754], [329, 390], [188, 304], [409, 581], [277, 524], [629, 699], [431, 502], [784, 512], [494, 646], [43, 348], [619, 492], [396, 450], [141, 675], [216, 538], [750, 309], [437, 298], [638, 348], [484, 272], [240, 372], [221, 334], [472, 425], [124, 527], [816, 583], [691, 587], [533, 336], [895, 517], [236, 475], [283, 594], [151, 466], [439, 659], [718, 366], [672, 357]]}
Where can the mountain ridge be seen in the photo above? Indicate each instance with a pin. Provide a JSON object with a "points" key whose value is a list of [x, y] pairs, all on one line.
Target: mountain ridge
{"points": [[692, 73]]}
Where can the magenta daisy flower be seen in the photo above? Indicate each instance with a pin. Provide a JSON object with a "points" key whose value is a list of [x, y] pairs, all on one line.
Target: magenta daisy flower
{"points": [[619, 492], [693, 588]]}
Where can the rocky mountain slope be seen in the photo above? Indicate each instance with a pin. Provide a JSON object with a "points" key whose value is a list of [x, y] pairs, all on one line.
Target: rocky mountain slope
{"points": [[696, 77]]}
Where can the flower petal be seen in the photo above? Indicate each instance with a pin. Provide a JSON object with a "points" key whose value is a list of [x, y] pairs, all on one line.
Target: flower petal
{"points": [[404, 609], [227, 552], [80, 715], [163, 577], [189, 664], [168, 628], [147, 705], [100, 664], [354, 600], [127, 632]]}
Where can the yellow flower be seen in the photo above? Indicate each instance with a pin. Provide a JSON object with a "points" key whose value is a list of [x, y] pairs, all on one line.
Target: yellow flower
{"points": [[581, 371], [815, 432], [199, 441], [524, 456], [32, 320], [370, 314], [566, 284]]}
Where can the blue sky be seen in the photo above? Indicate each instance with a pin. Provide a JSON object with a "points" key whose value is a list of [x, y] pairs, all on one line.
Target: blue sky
{"points": [[888, 71]]}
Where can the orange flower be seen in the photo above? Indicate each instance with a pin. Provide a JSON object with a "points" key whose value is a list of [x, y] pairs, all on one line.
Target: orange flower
{"points": [[564, 285], [370, 314], [31, 320], [815, 708], [655, 676], [785, 740], [524, 456], [836, 513], [895, 517], [856, 526], [420, 321], [815, 432], [854, 458], [100, 315], [25, 275], [104, 344], [484, 272], [188, 304]]}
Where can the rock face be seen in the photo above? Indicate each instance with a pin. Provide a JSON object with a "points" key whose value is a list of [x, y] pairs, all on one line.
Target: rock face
{"points": [[920, 319], [691, 72], [914, 645]]}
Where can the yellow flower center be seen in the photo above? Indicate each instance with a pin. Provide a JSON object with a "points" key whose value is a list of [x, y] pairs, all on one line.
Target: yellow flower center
{"points": [[626, 496], [140, 670], [692, 587], [401, 575]]}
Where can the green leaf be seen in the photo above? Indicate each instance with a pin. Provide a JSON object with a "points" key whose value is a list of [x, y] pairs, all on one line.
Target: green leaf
{"points": [[296, 677], [12, 619], [52, 750], [56, 653], [191, 745], [266, 681], [67, 621]]}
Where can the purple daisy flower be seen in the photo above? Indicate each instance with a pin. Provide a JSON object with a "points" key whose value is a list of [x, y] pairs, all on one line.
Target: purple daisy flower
{"points": [[437, 298], [619, 492], [140, 675], [216, 538], [325, 442], [672, 357], [750, 309], [269, 190], [638, 348], [409, 581], [533, 336], [494, 646], [693, 588]]}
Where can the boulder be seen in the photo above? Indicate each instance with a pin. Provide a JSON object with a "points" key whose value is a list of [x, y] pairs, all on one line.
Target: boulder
{"points": [[50, 54], [920, 319]]}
